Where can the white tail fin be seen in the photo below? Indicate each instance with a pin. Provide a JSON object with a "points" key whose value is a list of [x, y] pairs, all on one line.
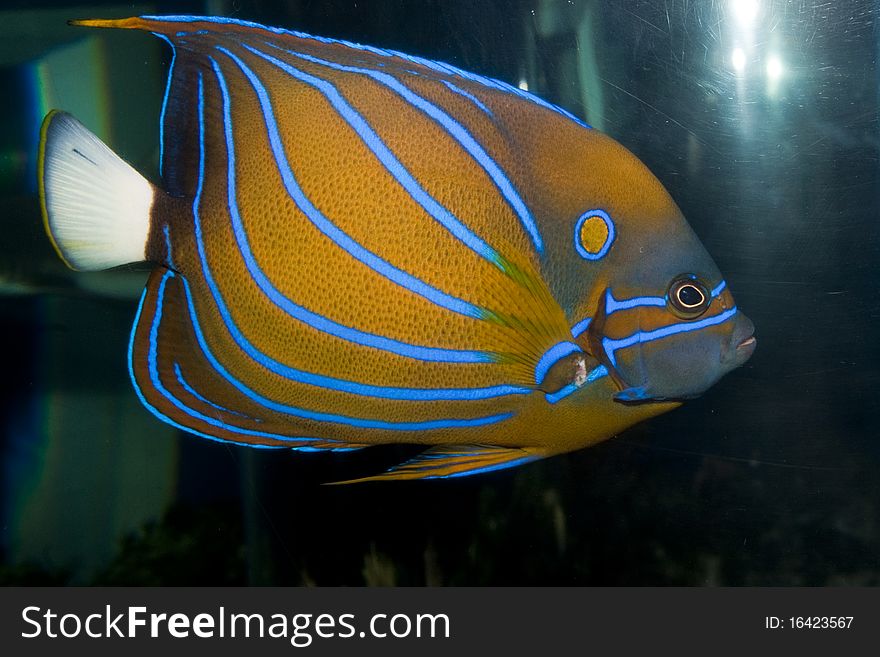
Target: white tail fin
{"points": [[96, 208]]}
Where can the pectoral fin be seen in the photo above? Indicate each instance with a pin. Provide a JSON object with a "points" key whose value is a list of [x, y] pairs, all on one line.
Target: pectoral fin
{"points": [[447, 461]]}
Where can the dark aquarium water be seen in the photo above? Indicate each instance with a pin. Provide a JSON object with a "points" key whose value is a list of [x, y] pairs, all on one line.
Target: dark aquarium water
{"points": [[760, 118]]}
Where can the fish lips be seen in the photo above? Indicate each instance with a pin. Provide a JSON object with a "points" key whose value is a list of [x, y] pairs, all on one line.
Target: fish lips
{"points": [[742, 343]]}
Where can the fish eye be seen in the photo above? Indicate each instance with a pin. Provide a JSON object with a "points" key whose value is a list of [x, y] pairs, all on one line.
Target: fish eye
{"points": [[688, 297]]}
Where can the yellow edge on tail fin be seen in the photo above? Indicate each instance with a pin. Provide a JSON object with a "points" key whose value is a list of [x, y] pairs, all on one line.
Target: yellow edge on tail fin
{"points": [[41, 184]]}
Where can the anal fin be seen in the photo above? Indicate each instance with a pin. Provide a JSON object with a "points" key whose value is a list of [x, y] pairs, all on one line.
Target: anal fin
{"points": [[448, 461]]}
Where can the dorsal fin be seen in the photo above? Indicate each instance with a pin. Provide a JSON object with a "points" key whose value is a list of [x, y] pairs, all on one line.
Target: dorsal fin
{"points": [[179, 120], [179, 125]]}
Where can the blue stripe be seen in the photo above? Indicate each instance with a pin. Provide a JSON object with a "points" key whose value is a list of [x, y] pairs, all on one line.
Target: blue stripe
{"points": [[427, 462], [609, 239], [353, 387], [440, 67], [195, 393], [488, 468], [491, 83], [551, 356], [613, 345], [331, 231], [166, 230], [309, 448], [157, 383], [580, 327], [467, 94], [457, 131], [318, 322], [161, 416], [394, 167], [247, 391], [446, 423], [612, 305], [300, 376], [596, 374], [562, 393], [165, 100]]}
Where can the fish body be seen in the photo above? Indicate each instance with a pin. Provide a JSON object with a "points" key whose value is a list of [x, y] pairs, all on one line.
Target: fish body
{"points": [[354, 247]]}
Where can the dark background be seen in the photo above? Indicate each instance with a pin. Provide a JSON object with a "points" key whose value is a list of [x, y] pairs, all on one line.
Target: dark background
{"points": [[772, 478]]}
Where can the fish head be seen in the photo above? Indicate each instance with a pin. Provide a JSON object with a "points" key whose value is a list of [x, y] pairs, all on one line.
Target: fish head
{"points": [[665, 325]]}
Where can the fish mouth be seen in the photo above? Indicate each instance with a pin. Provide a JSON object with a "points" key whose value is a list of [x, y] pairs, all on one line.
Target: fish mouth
{"points": [[748, 343], [742, 343], [744, 350]]}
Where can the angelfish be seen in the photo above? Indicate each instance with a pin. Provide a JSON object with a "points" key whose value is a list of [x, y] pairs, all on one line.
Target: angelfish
{"points": [[353, 246]]}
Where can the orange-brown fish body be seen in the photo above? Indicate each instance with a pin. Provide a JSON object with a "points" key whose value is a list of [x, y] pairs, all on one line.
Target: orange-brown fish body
{"points": [[360, 247]]}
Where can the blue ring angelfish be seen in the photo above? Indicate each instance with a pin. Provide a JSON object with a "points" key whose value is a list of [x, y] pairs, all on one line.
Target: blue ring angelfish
{"points": [[593, 234], [347, 151]]}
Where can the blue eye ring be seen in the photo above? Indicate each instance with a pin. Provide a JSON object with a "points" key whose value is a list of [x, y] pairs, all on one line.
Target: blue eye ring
{"points": [[593, 254]]}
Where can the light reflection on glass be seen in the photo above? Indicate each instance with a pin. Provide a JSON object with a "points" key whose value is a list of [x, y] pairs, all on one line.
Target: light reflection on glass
{"points": [[745, 11], [738, 59], [774, 68]]}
